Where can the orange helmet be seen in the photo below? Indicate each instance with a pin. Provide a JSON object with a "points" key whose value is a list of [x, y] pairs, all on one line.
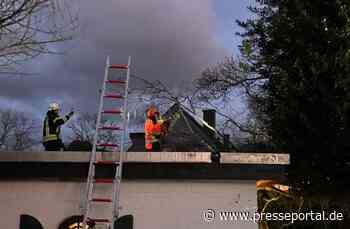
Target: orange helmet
{"points": [[152, 111]]}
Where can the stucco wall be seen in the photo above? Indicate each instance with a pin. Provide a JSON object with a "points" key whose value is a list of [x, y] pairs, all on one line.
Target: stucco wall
{"points": [[155, 204]]}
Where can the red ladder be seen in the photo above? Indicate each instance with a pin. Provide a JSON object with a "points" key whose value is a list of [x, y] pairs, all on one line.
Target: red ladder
{"points": [[92, 181]]}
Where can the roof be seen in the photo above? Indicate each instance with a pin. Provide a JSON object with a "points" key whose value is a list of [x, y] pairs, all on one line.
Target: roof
{"points": [[137, 142], [187, 132]]}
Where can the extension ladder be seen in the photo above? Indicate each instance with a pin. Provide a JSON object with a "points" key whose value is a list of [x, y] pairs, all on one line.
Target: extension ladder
{"points": [[92, 181]]}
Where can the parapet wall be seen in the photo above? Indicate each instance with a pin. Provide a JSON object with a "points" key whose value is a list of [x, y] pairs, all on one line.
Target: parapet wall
{"points": [[148, 157], [145, 165]]}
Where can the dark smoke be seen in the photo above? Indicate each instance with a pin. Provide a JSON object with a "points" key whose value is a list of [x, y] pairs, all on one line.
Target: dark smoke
{"points": [[171, 41]]}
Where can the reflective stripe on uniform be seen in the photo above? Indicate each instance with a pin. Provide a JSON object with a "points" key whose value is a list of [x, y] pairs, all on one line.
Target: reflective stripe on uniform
{"points": [[154, 140], [47, 127], [48, 136]]}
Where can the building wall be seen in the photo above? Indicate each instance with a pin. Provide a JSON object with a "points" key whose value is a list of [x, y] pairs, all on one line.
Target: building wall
{"points": [[155, 204]]}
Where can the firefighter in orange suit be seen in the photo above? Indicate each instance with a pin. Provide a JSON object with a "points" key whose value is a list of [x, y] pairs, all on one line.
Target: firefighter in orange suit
{"points": [[152, 130]]}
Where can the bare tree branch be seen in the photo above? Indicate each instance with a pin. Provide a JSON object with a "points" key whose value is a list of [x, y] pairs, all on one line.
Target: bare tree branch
{"points": [[84, 127], [28, 27], [219, 81], [17, 130], [214, 85], [23, 133], [222, 82], [230, 119], [157, 90], [7, 125]]}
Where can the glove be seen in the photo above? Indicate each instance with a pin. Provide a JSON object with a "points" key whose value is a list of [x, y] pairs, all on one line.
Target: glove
{"points": [[71, 113]]}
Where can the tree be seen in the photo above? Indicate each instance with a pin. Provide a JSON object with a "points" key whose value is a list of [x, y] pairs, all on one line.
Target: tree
{"points": [[28, 27], [83, 128], [302, 49], [221, 83], [157, 92], [7, 125], [18, 131]]}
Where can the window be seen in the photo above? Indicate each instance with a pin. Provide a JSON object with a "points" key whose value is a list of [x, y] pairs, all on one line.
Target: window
{"points": [[125, 222], [29, 222]]}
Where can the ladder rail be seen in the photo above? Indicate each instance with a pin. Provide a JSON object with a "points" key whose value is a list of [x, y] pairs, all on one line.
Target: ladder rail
{"points": [[119, 170], [89, 185]]}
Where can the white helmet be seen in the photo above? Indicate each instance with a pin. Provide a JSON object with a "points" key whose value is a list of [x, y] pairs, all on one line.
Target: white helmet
{"points": [[54, 107]]}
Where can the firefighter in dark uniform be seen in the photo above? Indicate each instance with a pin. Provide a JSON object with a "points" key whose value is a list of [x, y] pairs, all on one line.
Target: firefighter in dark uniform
{"points": [[52, 128]]}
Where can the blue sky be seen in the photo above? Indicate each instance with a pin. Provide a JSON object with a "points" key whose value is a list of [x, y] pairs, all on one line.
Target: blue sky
{"points": [[227, 12]]}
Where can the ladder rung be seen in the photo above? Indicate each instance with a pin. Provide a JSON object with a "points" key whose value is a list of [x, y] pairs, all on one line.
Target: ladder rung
{"points": [[107, 145], [99, 220], [104, 181], [106, 200], [110, 128], [113, 96], [116, 81], [112, 112], [106, 162], [119, 66]]}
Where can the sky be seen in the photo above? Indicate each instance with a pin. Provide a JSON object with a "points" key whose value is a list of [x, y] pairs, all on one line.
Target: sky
{"points": [[170, 41]]}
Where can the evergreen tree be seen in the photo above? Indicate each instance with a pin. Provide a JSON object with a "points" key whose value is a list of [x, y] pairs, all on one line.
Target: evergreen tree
{"points": [[302, 49]]}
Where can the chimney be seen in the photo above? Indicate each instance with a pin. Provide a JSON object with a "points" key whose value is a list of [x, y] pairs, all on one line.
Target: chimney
{"points": [[226, 142], [209, 117]]}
